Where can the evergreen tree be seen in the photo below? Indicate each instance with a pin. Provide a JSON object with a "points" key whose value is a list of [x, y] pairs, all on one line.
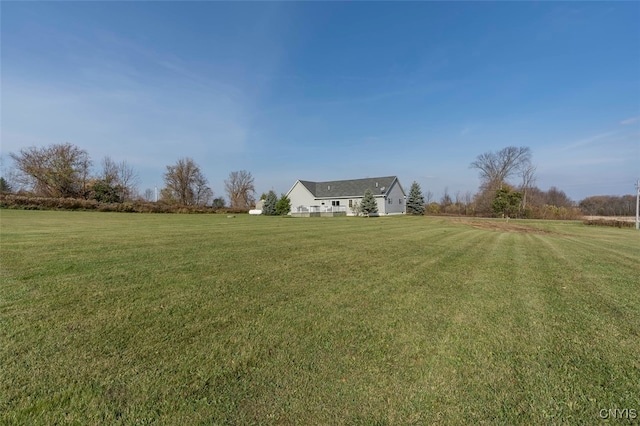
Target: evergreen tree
{"points": [[368, 204], [4, 186], [103, 192], [218, 203], [506, 202], [269, 206], [283, 206], [415, 202]]}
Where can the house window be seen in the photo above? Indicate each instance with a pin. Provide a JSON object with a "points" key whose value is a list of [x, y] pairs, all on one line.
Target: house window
{"points": [[400, 201], [335, 203], [390, 201], [350, 203]]}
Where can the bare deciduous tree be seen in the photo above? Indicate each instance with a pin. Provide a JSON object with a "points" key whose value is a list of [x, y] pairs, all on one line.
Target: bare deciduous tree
{"points": [[120, 176], [468, 202], [609, 205], [528, 175], [128, 179], [148, 195], [59, 170], [428, 197], [186, 184], [355, 208], [240, 189], [558, 198], [446, 200], [496, 167], [109, 171]]}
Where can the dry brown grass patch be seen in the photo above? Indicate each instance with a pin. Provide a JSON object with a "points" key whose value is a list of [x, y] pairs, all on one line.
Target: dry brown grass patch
{"points": [[504, 225]]}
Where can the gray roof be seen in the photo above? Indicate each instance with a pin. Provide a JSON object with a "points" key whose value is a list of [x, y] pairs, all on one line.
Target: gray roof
{"points": [[350, 188]]}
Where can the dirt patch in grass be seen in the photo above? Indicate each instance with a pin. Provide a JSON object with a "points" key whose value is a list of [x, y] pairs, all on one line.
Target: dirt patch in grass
{"points": [[504, 226]]}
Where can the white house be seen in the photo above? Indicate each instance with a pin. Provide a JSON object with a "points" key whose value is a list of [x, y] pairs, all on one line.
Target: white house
{"points": [[339, 197]]}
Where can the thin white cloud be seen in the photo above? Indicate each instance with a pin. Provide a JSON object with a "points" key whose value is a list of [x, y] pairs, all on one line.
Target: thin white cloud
{"points": [[630, 120], [378, 95], [469, 128], [590, 161], [588, 141]]}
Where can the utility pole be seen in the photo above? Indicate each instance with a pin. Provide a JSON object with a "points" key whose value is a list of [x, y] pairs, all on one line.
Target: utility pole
{"points": [[638, 204]]}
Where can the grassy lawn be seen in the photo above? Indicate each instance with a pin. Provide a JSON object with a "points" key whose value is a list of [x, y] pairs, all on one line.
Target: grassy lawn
{"points": [[187, 319]]}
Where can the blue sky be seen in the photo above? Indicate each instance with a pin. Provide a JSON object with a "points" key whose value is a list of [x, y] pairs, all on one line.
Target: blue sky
{"points": [[330, 90]]}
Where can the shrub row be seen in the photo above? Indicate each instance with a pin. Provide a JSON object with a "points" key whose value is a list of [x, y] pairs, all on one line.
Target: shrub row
{"points": [[537, 212], [22, 202], [610, 222], [547, 211]]}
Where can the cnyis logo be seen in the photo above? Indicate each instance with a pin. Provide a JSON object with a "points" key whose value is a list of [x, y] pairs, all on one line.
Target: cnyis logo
{"points": [[618, 413]]}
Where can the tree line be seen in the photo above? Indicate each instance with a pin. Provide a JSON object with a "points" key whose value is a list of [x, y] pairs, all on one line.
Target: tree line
{"points": [[65, 171], [507, 187], [609, 205]]}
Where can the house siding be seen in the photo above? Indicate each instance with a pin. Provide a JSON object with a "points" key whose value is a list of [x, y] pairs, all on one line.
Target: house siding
{"points": [[398, 201], [301, 196]]}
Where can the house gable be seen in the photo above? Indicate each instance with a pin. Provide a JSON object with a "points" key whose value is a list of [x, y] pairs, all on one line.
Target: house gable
{"points": [[395, 199], [301, 195]]}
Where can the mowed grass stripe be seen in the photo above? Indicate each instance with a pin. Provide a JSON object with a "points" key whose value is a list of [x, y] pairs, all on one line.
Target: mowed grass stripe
{"points": [[187, 319]]}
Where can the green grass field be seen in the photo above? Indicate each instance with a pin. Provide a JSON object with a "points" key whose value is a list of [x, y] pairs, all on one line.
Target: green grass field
{"points": [[204, 319]]}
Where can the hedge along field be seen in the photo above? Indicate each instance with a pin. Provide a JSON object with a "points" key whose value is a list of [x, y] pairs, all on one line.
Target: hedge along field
{"points": [[183, 319]]}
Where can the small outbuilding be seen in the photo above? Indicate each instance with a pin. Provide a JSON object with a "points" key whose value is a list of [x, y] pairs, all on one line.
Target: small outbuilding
{"points": [[258, 209]]}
